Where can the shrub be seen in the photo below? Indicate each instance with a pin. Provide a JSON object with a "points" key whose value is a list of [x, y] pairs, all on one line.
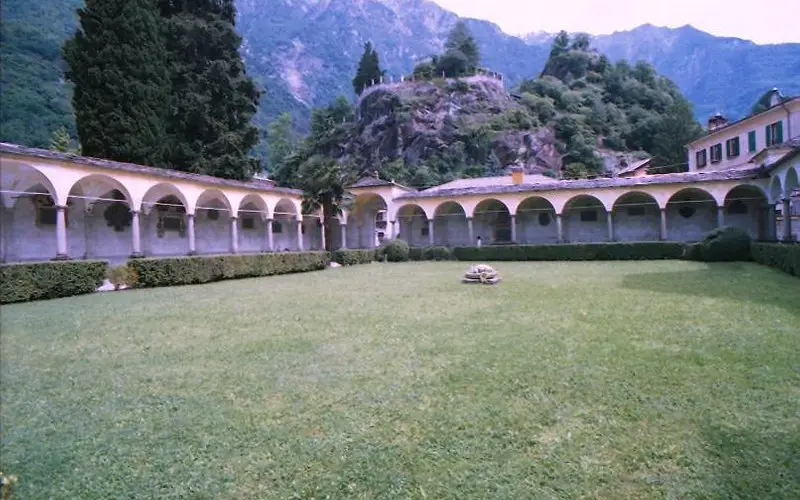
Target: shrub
{"points": [[416, 254], [122, 275], [783, 256], [353, 257], [437, 253], [192, 270], [724, 244], [395, 251], [49, 280], [646, 250]]}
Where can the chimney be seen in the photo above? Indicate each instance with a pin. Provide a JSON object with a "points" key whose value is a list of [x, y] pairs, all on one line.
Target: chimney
{"points": [[775, 97], [717, 121], [517, 175]]}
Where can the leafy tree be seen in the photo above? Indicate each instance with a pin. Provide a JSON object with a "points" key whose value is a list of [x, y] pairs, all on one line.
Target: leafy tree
{"points": [[453, 63], [762, 104], [461, 40], [676, 129], [323, 181], [369, 69], [116, 61], [62, 142], [281, 143], [213, 99]]}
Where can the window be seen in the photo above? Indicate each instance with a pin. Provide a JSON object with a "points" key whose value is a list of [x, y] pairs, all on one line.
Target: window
{"points": [[248, 223], [635, 211], [277, 227], [751, 141], [732, 147], [716, 153], [774, 133], [737, 207], [700, 158], [544, 219], [588, 215]]}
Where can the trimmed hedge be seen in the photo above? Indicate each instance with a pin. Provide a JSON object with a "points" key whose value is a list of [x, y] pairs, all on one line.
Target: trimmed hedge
{"points": [[724, 244], [192, 270], [353, 257], [394, 251], [50, 280], [645, 250], [783, 256]]}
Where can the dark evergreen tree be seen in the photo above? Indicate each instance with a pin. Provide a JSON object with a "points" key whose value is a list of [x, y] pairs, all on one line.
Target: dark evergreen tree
{"points": [[213, 100], [117, 62], [369, 69], [461, 40]]}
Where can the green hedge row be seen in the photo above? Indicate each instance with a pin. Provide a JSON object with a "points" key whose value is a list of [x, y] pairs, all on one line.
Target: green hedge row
{"points": [[49, 280], [646, 250], [430, 253], [353, 257], [783, 256], [192, 270]]}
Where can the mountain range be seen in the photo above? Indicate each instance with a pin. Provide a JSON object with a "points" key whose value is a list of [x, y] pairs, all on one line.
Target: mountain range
{"points": [[304, 53]]}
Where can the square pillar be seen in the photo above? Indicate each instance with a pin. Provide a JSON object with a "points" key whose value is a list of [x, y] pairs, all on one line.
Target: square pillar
{"points": [[234, 235], [300, 234], [190, 234], [392, 231], [560, 228], [344, 236], [664, 224], [513, 229], [610, 224], [430, 232], [136, 235], [322, 232], [471, 231], [720, 216], [61, 233]]}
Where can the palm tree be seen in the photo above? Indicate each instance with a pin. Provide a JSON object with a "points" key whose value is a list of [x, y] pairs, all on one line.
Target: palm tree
{"points": [[323, 181]]}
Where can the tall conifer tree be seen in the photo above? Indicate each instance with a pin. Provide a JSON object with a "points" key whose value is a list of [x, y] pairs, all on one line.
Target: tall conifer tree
{"points": [[369, 69], [213, 99], [117, 62]]}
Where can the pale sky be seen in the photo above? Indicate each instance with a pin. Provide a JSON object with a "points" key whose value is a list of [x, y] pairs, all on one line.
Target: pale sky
{"points": [[770, 21]]}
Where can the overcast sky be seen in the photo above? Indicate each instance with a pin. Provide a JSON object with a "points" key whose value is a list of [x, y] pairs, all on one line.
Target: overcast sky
{"points": [[771, 21]]}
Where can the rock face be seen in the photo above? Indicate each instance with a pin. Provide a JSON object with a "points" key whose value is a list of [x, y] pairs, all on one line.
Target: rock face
{"points": [[417, 121]]}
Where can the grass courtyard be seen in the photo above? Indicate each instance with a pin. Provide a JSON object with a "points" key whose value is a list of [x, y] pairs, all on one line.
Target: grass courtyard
{"points": [[569, 380]]}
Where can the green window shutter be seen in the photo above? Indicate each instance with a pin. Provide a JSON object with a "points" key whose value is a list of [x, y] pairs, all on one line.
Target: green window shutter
{"points": [[779, 132], [751, 141], [728, 148], [736, 147], [769, 136]]}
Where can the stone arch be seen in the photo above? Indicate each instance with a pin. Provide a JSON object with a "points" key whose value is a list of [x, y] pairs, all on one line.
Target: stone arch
{"points": [[791, 183], [163, 190], [252, 214], [776, 190], [636, 217], [285, 218], [492, 222], [585, 219], [367, 221], [746, 208], [691, 214], [107, 219], [28, 208], [450, 225], [413, 225], [165, 229], [206, 200], [536, 221]]}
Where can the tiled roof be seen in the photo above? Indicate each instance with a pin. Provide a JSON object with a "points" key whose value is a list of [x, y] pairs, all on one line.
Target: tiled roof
{"points": [[731, 124], [633, 167], [257, 185], [552, 184], [373, 182]]}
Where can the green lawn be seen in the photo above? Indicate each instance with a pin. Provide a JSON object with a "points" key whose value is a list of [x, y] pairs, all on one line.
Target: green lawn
{"points": [[569, 380]]}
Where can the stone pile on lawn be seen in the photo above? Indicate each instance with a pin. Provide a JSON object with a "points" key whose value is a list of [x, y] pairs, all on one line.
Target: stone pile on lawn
{"points": [[482, 274]]}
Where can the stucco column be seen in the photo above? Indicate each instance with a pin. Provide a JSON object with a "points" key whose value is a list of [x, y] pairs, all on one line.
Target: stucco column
{"points": [[234, 235], [664, 224], [322, 233], [430, 232], [394, 226], [471, 231], [270, 236], [61, 233], [787, 220], [610, 224], [720, 216], [300, 235], [136, 235], [344, 236], [190, 233], [513, 229], [559, 228]]}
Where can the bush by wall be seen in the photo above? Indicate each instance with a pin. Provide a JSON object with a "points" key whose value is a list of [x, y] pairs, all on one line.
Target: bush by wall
{"points": [[783, 256], [394, 251], [192, 270], [353, 257], [646, 250], [49, 280], [724, 244]]}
